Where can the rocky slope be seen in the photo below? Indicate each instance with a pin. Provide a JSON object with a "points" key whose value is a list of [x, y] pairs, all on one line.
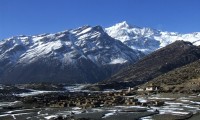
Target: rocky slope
{"points": [[183, 79], [86, 54], [160, 62]]}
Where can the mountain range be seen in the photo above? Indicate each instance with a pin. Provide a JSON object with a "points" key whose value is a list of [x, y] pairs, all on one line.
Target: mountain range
{"points": [[82, 55]]}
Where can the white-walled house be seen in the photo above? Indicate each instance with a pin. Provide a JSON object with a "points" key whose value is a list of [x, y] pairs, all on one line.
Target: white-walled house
{"points": [[151, 88]]}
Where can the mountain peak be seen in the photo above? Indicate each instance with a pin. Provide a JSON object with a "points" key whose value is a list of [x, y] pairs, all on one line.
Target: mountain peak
{"points": [[99, 29], [88, 28], [147, 39], [123, 24]]}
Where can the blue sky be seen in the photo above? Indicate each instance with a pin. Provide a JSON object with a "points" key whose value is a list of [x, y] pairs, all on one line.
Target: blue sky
{"points": [[29, 17]]}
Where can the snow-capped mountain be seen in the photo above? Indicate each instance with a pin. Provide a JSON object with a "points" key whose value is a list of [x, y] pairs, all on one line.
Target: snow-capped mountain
{"points": [[148, 40], [85, 54]]}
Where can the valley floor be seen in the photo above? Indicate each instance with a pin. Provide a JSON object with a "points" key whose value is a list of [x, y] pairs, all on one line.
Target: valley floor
{"points": [[175, 106]]}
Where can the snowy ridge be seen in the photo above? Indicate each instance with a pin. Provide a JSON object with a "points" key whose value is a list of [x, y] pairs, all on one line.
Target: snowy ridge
{"points": [[67, 46], [148, 40], [85, 54]]}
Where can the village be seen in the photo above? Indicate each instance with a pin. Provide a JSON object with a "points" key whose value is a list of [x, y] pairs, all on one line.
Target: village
{"points": [[86, 100]]}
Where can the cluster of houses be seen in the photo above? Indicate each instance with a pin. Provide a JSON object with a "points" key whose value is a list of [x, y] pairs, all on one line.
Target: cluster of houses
{"points": [[88, 100], [149, 88]]}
